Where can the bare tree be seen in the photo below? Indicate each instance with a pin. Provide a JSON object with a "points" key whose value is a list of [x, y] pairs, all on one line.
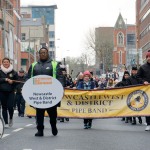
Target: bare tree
{"points": [[101, 43]]}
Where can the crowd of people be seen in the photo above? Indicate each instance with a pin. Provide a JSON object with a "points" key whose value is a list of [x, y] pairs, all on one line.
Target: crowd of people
{"points": [[11, 84]]}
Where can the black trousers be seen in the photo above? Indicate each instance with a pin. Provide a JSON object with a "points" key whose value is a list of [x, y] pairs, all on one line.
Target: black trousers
{"points": [[20, 103], [7, 102], [52, 112], [148, 121], [87, 121]]}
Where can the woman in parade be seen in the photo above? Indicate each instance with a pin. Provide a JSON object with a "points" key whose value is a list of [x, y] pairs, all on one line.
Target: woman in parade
{"points": [[86, 84], [7, 86]]}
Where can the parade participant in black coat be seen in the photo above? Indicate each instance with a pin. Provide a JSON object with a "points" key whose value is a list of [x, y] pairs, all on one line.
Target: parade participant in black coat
{"points": [[44, 67], [19, 98], [7, 86], [144, 74], [122, 84], [133, 80]]}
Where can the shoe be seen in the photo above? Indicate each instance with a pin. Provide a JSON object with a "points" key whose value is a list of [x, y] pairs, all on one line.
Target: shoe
{"points": [[10, 122], [133, 122], [6, 126], [147, 128], [123, 119], [140, 121], [67, 119], [89, 125], [85, 126], [62, 120], [39, 133], [126, 121], [22, 115], [54, 130]]}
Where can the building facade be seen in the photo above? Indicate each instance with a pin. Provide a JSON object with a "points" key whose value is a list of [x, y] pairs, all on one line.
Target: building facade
{"points": [[115, 46], [124, 53], [49, 13], [143, 26], [34, 34], [10, 31]]}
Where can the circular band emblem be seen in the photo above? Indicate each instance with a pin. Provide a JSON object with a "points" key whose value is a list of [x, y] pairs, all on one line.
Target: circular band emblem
{"points": [[137, 100]]}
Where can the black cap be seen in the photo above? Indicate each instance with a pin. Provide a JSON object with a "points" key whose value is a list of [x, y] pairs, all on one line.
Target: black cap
{"points": [[21, 71], [134, 68], [44, 47]]}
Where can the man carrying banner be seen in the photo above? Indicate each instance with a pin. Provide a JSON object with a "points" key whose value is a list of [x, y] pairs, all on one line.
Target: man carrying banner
{"points": [[45, 66], [144, 73], [133, 80]]}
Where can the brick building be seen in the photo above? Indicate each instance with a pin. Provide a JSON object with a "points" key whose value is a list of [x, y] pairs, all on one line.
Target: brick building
{"points": [[117, 46], [10, 31], [143, 26]]}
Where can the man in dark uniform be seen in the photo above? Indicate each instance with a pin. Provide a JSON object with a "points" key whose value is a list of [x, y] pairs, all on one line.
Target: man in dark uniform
{"points": [[19, 98], [133, 80], [44, 67], [144, 73]]}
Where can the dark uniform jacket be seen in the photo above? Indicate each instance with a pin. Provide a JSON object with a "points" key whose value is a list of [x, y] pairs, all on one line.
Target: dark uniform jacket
{"points": [[45, 68], [20, 85], [4, 85], [144, 72], [134, 80]]}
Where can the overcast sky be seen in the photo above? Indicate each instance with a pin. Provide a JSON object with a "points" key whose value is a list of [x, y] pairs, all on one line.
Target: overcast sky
{"points": [[74, 18]]}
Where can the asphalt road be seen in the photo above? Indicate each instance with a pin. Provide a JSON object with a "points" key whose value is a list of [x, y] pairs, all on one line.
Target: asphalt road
{"points": [[106, 134]]}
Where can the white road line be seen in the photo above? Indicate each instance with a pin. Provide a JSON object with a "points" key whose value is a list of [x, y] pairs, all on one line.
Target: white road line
{"points": [[28, 125], [27, 149], [4, 135], [17, 130]]}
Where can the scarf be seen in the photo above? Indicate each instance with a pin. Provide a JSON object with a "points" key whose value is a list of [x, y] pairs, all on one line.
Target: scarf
{"points": [[6, 70]]}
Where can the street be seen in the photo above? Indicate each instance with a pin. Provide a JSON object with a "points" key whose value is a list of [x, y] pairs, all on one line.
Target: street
{"points": [[105, 134]]}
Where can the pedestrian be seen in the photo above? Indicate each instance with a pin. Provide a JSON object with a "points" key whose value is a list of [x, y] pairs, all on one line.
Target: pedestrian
{"points": [[7, 87], [144, 74], [123, 83], [18, 97], [45, 66], [133, 80], [86, 84]]}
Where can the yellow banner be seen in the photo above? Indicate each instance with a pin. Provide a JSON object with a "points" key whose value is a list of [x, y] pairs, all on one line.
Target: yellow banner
{"points": [[109, 103]]}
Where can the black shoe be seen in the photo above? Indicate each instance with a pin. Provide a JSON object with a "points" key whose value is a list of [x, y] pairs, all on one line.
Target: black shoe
{"points": [[39, 133], [89, 125], [62, 120], [140, 121], [54, 130], [85, 126], [134, 123], [67, 119], [126, 121], [22, 115], [123, 119]]}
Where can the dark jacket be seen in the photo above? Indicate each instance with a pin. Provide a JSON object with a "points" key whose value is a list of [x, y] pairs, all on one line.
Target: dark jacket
{"points": [[144, 72], [20, 85], [45, 68], [4, 85], [133, 80]]}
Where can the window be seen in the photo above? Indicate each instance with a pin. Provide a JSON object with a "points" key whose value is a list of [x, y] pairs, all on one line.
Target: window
{"points": [[52, 34], [23, 36], [130, 39], [120, 39], [51, 44]]}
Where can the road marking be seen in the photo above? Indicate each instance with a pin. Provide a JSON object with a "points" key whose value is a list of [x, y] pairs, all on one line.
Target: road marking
{"points": [[4, 135], [17, 130], [28, 125], [27, 149]]}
